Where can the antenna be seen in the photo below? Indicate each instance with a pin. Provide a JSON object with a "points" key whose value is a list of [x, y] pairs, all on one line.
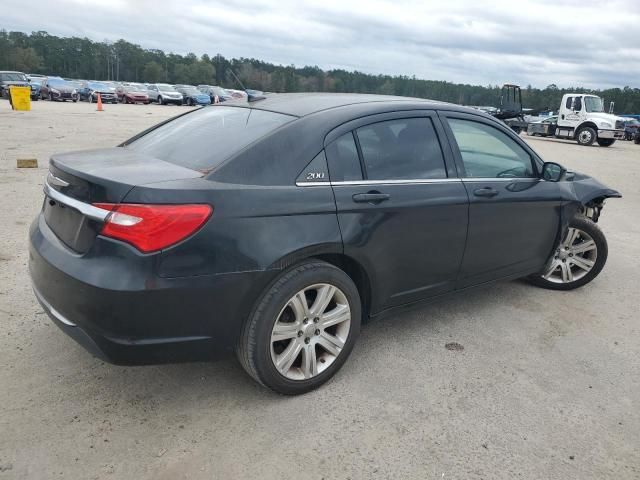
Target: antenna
{"points": [[250, 96]]}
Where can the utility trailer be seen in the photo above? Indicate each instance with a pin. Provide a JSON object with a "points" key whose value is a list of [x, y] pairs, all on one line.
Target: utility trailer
{"points": [[510, 109]]}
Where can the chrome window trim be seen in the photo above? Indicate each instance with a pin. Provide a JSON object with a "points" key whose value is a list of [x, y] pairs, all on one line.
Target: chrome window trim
{"points": [[410, 181], [86, 209], [497, 179], [416, 181]]}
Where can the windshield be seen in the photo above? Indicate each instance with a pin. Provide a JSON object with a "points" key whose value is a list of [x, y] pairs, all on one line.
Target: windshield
{"points": [[212, 135], [99, 86], [191, 90], [12, 77], [165, 88], [56, 82], [221, 92], [135, 89], [593, 104], [36, 80]]}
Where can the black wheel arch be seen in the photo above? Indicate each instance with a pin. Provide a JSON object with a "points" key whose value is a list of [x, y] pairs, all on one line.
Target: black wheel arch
{"points": [[332, 254], [583, 125]]}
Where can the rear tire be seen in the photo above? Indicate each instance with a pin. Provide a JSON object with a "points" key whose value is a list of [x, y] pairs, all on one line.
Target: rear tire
{"points": [[586, 136], [606, 142], [297, 361], [160, 101], [579, 259]]}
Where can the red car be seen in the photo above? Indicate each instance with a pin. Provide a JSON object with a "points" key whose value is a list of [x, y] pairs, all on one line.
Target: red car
{"points": [[134, 95]]}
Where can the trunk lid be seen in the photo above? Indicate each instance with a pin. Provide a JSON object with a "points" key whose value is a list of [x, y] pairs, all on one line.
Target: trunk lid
{"points": [[79, 179]]}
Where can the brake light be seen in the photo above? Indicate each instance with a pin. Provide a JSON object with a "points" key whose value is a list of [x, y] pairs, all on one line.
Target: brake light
{"points": [[150, 228]]}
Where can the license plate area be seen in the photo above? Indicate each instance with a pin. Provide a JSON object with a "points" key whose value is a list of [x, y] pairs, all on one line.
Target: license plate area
{"points": [[74, 229]]}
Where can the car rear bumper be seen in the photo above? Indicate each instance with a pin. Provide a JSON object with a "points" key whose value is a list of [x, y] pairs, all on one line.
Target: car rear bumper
{"points": [[110, 301], [617, 134]]}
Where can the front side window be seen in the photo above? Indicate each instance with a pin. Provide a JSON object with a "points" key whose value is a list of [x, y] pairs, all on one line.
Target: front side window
{"points": [[400, 149], [489, 153]]}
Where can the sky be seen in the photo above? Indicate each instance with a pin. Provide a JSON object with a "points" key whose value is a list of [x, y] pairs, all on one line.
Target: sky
{"points": [[567, 42]]}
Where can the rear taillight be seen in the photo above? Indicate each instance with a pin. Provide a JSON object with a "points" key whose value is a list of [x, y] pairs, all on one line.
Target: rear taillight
{"points": [[150, 228]]}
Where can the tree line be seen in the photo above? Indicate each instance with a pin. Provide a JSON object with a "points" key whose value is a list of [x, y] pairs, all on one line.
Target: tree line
{"points": [[74, 57]]}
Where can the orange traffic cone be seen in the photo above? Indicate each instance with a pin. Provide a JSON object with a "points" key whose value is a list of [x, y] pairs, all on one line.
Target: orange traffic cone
{"points": [[99, 103]]}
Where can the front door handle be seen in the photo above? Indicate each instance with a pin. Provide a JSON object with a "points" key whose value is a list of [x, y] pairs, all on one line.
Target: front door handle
{"points": [[485, 192], [371, 197]]}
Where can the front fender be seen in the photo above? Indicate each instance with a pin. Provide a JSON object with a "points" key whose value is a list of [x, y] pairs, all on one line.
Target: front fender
{"points": [[587, 189]]}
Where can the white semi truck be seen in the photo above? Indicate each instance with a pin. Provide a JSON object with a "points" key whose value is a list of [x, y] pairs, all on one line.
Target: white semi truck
{"points": [[582, 118]]}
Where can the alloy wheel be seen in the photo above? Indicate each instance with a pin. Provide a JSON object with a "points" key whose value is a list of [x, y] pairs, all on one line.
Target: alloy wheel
{"points": [[310, 331], [573, 259]]}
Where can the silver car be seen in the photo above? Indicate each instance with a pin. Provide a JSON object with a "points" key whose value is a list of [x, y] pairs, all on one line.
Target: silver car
{"points": [[164, 94]]}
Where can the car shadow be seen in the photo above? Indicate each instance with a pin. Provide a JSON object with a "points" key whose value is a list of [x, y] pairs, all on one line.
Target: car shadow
{"points": [[222, 379]]}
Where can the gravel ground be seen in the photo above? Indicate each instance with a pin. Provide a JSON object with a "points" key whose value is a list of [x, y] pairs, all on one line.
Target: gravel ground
{"points": [[547, 384]]}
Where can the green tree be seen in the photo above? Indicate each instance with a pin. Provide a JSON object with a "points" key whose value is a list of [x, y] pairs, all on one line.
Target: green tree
{"points": [[26, 59], [153, 72]]}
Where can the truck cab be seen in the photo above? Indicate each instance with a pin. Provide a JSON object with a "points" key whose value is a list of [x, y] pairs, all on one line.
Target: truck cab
{"points": [[582, 118]]}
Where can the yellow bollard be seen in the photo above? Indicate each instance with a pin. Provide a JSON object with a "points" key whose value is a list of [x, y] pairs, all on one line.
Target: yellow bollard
{"points": [[20, 98]]}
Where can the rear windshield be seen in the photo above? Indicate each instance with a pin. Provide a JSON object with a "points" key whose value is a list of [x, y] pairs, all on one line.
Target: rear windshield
{"points": [[202, 140]]}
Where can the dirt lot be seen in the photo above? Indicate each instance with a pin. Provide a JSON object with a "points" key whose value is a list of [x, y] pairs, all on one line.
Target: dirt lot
{"points": [[547, 386]]}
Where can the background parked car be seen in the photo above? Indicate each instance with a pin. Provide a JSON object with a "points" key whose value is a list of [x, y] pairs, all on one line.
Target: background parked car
{"points": [[90, 90], [134, 94], [631, 127], [544, 127], [138, 86], [192, 96], [213, 91], [56, 88], [8, 79], [36, 83], [164, 94]]}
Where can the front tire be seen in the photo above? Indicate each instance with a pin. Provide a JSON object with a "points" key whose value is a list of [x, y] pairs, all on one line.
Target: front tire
{"points": [[606, 142], [302, 330], [586, 136], [159, 100], [579, 258]]}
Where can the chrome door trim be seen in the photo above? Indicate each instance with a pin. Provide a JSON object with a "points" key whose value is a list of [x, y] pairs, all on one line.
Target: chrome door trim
{"points": [[86, 209], [416, 181], [498, 179]]}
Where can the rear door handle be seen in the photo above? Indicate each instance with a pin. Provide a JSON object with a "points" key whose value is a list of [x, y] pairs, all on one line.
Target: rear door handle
{"points": [[485, 192], [371, 197]]}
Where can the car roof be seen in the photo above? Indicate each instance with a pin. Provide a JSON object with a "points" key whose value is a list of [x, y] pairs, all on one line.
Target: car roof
{"points": [[303, 104]]}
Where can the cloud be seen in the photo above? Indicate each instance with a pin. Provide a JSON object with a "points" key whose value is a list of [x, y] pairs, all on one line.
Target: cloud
{"points": [[575, 42]]}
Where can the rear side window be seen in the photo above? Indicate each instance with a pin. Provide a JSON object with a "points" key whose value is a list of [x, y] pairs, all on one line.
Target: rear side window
{"points": [[202, 140], [401, 149], [344, 163]]}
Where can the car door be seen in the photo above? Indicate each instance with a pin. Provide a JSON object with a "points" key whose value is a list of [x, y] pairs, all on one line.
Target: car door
{"points": [[153, 92], [514, 215], [401, 209]]}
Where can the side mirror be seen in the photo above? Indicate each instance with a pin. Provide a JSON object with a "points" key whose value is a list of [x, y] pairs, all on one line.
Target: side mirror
{"points": [[553, 172]]}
